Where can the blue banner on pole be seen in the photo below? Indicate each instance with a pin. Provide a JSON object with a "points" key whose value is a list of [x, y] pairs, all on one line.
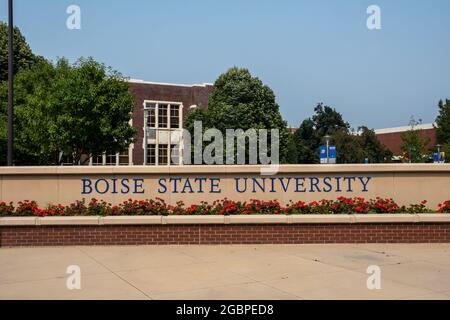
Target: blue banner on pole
{"points": [[323, 154], [332, 154]]}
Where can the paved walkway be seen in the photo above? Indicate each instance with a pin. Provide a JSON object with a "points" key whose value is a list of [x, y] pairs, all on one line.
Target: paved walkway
{"points": [[227, 272]]}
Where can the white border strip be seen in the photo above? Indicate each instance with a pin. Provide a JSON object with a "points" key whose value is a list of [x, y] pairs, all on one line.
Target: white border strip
{"points": [[240, 219]]}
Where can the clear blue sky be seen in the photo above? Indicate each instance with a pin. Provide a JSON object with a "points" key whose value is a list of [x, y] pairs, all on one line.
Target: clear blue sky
{"points": [[306, 51]]}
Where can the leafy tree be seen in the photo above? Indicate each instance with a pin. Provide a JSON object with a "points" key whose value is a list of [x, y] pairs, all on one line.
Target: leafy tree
{"points": [[312, 131], [443, 122], [371, 147], [414, 145], [443, 127], [348, 145], [76, 109], [351, 147], [241, 101], [23, 56]]}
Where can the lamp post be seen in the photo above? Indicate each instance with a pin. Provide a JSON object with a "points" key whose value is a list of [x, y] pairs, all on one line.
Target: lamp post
{"points": [[327, 140], [10, 157]]}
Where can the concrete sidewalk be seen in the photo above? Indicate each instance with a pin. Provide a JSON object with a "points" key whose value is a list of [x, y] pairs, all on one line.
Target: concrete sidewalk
{"points": [[227, 272]]}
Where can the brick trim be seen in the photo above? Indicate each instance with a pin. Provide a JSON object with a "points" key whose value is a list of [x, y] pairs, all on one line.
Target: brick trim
{"points": [[60, 235]]}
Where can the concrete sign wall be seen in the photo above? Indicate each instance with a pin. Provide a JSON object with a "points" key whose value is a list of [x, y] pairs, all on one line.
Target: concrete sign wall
{"points": [[405, 183]]}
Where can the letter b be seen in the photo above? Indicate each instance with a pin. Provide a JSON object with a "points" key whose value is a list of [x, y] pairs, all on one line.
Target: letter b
{"points": [[87, 186]]}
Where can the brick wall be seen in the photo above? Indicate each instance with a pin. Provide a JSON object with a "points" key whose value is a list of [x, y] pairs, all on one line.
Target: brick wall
{"points": [[187, 95], [224, 234], [393, 140]]}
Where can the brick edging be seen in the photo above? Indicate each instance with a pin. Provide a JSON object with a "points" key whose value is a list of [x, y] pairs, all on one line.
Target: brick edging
{"points": [[185, 234], [220, 219]]}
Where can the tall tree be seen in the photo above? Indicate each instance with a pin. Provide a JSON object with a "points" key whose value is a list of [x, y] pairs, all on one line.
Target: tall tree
{"points": [[352, 147], [372, 149], [310, 135], [414, 145], [23, 56], [443, 122], [76, 109], [241, 101]]}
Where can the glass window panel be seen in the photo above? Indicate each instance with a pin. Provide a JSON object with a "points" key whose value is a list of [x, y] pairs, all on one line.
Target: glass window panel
{"points": [[151, 154], [124, 158], [174, 116], [151, 115], [162, 154], [97, 160], [111, 159], [162, 116], [174, 154], [151, 134]]}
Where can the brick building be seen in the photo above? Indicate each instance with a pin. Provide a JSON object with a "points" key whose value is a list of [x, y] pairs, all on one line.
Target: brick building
{"points": [[162, 107], [392, 137]]}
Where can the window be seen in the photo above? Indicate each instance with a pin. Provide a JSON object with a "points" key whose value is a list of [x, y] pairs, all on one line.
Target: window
{"points": [[151, 134], [174, 155], [151, 116], [151, 154], [111, 159], [162, 123], [67, 160], [163, 154], [124, 158], [162, 116], [97, 160], [174, 116]]}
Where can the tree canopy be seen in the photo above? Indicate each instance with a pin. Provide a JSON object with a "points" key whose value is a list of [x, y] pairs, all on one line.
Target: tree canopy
{"points": [[443, 122], [414, 145], [24, 58], [241, 101], [76, 109], [352, 147]]}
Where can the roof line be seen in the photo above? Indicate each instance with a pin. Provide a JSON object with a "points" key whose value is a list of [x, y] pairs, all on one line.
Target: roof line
{"points": [[425, 126], [169, 84]]}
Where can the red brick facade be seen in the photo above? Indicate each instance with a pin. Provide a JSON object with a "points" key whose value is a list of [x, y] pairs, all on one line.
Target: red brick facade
{"points": [[393, 140], [224, 234], [187, 95]]}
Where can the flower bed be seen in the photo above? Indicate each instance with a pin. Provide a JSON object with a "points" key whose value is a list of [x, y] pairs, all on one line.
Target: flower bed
{"points": [[157, 206]]}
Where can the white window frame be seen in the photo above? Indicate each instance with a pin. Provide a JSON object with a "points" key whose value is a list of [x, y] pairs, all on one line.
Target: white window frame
{"points": [[168, 129]]}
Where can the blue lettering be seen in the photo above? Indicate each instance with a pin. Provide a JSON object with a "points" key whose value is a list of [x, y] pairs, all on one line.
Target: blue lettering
{"points": [[327, 182], [262, 186], [349, 180], [338, 184], [87, 185], [215, 185], [138, 188], [162, 184], [200, 184], [114, 181], [106, 188], [298, 184], [365, 184], [285, 187], [187, 184], [314, 184], [175, 180], [237, 185]]}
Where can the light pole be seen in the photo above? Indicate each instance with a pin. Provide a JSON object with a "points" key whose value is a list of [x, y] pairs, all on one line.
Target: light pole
{"points": [[10, 157], [327, 140]]}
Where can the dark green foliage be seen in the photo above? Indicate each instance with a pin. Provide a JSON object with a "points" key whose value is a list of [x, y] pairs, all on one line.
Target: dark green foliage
{"points": [[78, 109]]}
